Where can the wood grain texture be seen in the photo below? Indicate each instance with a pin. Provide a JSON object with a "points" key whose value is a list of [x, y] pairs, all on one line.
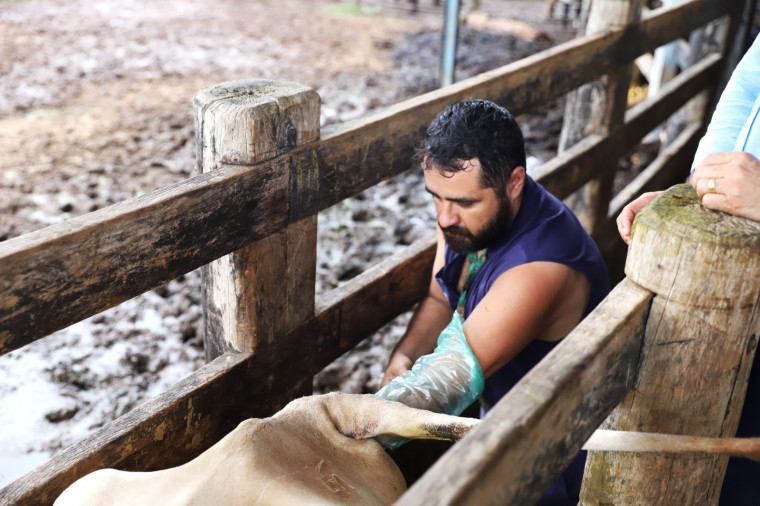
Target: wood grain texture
{"points": [[173, 427], [599, 107], [533, 432], [264, 289], [594, 154], [698, 349], [64, 273], [670, 167], [372, 299], [183, 421], [67, 272]]}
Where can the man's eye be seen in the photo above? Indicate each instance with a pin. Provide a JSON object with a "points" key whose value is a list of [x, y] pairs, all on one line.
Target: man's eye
{"points": [[466, 204]]}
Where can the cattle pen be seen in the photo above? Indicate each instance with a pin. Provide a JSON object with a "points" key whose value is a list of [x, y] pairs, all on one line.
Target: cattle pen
{"points": [[249, 220]]}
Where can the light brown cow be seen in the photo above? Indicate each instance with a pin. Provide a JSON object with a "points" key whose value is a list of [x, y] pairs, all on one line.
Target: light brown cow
{"points": [[314, 451]]}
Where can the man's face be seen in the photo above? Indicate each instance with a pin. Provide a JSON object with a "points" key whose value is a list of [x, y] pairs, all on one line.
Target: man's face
{"points": [[471, 217]]}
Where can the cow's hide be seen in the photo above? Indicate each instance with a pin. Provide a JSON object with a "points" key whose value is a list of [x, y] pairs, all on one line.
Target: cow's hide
{"points": [[314, 451]]}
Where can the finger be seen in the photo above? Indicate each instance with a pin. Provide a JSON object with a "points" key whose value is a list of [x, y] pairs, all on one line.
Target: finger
{"points": [[624, 220], [643, 201], [714, 159], [708, 186], [700, 185], [723, 164], [716, 202], [709, 168]]}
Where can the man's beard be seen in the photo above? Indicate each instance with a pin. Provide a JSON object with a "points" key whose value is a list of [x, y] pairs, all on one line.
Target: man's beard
{"points": [[461, 240]]}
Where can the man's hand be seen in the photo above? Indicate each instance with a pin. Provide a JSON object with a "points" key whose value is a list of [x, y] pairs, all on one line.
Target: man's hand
{"points": [[398, 365], [730, 182], [629, 212]]}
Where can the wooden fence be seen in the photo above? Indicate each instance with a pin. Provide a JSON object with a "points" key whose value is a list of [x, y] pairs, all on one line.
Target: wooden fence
{"points": [[249, 219]]}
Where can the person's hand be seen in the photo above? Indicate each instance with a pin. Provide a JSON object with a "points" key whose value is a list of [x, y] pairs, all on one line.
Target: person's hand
{"points": [[625, 218], [398, 365], [729, 182]]}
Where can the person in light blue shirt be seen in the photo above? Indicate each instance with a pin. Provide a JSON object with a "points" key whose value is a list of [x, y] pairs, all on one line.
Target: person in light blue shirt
{"points": [[733, 125], [726, 175], [726, 170], [726, 167]]}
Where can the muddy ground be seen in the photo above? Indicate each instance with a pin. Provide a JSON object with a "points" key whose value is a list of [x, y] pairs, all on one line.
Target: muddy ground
{"points": [[95, 108]]}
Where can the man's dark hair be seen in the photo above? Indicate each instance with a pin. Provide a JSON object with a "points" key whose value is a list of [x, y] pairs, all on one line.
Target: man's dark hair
{"points": [[479, 129]]}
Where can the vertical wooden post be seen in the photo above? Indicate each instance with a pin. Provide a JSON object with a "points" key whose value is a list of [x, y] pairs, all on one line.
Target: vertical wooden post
{"points": [[699, 344], [703, 41], [261, 291], [599, 107]]}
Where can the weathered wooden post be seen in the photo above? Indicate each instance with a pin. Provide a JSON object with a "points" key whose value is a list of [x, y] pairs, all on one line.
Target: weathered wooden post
{"points": [[263, 290], [700, 340], [599, 107]]}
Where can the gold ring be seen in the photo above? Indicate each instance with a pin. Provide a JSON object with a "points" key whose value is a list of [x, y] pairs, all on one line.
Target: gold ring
{"points": [[711, 185]]}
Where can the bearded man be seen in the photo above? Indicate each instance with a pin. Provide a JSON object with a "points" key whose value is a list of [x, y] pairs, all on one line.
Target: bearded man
{"points": [[514, 271]]}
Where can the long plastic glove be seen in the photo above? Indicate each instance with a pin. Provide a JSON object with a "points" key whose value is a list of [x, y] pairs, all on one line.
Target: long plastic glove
{"points": [[445, 381]]}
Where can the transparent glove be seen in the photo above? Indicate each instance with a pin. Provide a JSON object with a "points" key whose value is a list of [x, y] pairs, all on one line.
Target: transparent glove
{"points": [[445, 381]]}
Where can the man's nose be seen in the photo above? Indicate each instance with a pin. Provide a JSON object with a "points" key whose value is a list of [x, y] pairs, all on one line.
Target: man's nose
{"points": [[447, 215]]}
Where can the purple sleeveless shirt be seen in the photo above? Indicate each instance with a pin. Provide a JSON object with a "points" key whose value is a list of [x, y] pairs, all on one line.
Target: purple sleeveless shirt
{"points": [[544, 230]]}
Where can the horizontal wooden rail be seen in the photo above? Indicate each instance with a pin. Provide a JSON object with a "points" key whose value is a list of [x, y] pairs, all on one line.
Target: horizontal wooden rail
{"points": [[534, 431], [65, 273], [595, 154], [670, 167], [375, 297], [186, 419], [167, 430], [357, 154]]}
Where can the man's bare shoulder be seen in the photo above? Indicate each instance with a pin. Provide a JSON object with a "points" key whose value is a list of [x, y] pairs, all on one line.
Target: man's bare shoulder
{"points": [[537, 300]]}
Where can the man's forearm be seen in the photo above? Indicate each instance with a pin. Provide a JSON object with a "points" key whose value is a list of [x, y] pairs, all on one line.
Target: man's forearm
{"points": [[445, 381], [430, 318], [428, 321]]}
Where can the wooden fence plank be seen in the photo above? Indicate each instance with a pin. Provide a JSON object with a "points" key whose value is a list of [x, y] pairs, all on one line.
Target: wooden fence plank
{"points": [[372, 299], [703, 267], [168, 430], [565, 173], [669, 168], [264, 289], [64, 273], [185, 420], [645, 116], [598, 107], [528, 438], [676, 21], [357, 154]]}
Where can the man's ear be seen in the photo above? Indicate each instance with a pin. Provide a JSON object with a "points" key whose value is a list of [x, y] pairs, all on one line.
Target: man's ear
{"points": [[516, 182]]}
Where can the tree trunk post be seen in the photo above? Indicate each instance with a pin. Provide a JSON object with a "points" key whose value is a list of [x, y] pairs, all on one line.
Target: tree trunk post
{"points": [[703, 41], [700, 340], [597, 107], [261, 291]]}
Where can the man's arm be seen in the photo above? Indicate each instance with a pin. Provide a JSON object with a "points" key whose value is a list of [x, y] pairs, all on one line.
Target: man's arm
{"points": [[543, 300], [430, 318]]}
